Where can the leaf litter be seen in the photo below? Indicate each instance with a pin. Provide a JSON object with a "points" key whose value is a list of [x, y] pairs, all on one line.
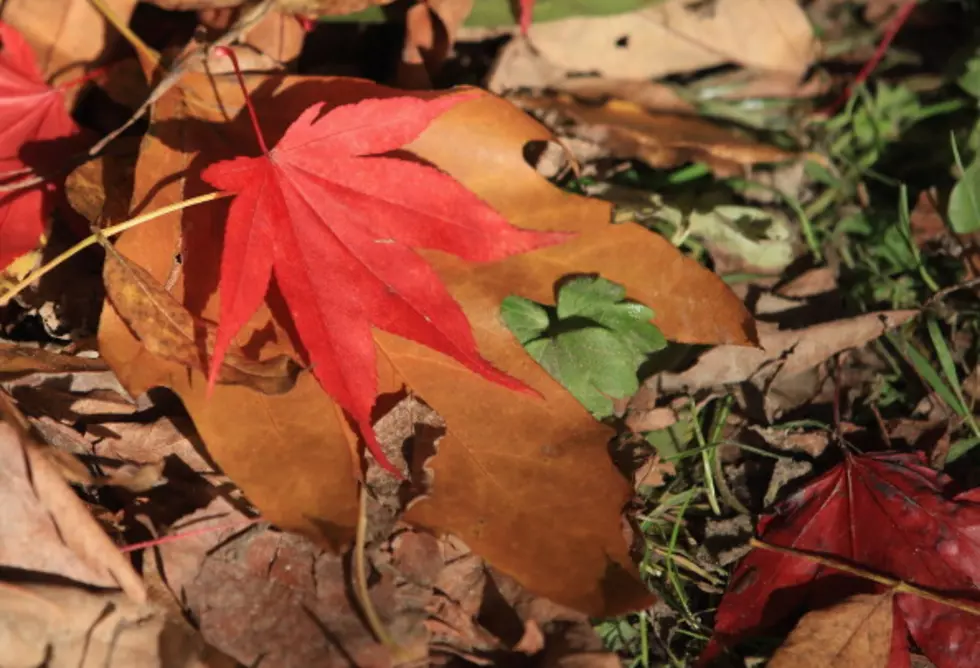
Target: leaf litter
{"points": [[736, 309]]}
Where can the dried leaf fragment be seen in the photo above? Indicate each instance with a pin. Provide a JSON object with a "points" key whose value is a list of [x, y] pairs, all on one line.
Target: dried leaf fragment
{"points": [[168, 330], [788, 351], [662, 139], [665, 37], [45, 526], [19, 360], [855, 632], [67, 627]]}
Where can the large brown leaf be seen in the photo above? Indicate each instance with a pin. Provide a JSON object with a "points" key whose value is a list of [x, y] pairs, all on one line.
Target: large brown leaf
{"points": [[526, 482]]}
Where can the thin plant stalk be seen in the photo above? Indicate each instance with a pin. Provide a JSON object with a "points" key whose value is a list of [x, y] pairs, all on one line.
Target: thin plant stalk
{"points": [[111, 231]]}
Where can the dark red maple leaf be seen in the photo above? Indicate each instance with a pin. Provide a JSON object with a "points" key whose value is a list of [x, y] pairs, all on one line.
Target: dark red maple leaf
{"points": [[337, 224], [30, 112], [885, 512]]}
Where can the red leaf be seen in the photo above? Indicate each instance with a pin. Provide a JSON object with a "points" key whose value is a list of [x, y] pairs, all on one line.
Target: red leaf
{"points": [[887, 513], [30, 111], [337, 223]]}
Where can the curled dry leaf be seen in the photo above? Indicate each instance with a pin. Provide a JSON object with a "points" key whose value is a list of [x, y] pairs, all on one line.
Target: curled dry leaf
{"points": [[46, 528], [533, 490], [169, 331], [661, 139]]}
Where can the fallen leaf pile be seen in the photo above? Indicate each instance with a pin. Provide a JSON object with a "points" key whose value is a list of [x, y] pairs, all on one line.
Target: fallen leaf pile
{"points": [[377, 237], [315, 353]]}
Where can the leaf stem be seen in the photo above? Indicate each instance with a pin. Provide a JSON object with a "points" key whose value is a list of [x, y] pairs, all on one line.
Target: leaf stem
{"points": [[899, 586], [84, 78], [360, 578], [901, 16], [248, 98], [108, 232], [200, 531]]}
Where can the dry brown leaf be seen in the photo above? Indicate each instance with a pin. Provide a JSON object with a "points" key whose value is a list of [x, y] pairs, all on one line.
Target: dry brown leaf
{"points": [[311, 7], [277, 597], [178, 562], [651, 473], [787, 352], [136, 478], [278, 37], [534, 490], [135, 440], [929, 226], [46, 528], [664, 97], [855, 632], [661, 139], [68, 36], [809, 283], [169, 331], [19, 360], [67, 627], [430, 30], [328, 7], [665, 38]]}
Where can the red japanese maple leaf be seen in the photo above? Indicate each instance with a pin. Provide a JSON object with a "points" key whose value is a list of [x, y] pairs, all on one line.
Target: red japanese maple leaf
{"points": [[30, 112], [337, 224], [885, 512]]}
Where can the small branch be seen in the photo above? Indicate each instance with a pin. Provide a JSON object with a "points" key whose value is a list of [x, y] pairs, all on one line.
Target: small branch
{"points": [[899, 586], [249, 18], [107, 232]]}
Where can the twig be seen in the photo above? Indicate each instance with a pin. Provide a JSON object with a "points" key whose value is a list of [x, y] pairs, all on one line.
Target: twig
{"points": [[899, 586], [249, 18], [889, 35], [966, 285], [107, 232]]}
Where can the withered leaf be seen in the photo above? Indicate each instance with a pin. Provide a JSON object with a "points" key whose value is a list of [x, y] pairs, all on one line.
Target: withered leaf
{"points": [[168, 330], [62, 627], [855, 632], [46, 527], [787, 352], [662, 139], [19, 360]]}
